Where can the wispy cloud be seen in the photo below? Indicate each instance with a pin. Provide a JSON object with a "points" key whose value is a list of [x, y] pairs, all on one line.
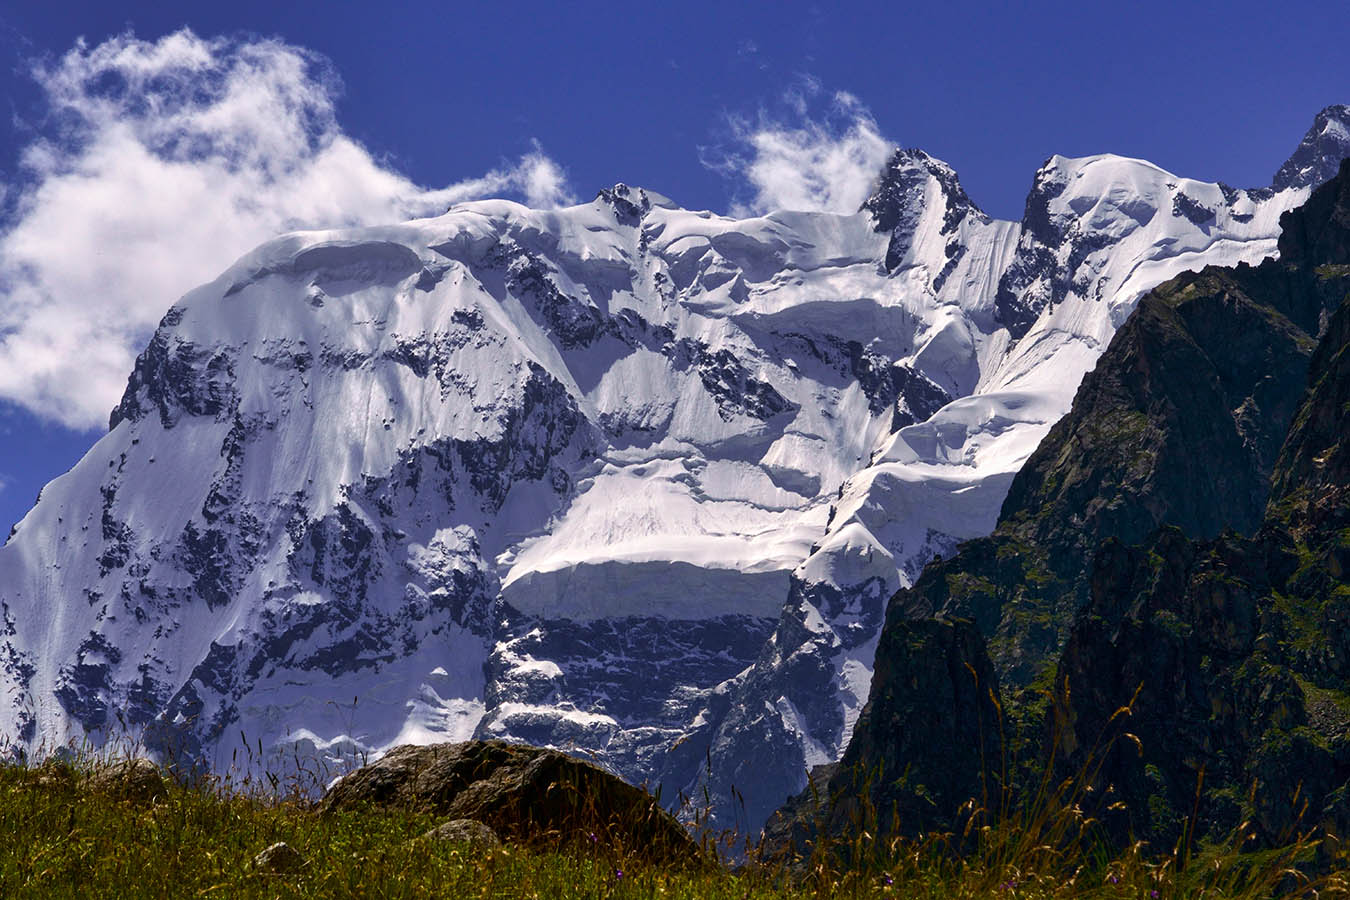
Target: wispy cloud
{"points": [[160, 163], [820, 151]]}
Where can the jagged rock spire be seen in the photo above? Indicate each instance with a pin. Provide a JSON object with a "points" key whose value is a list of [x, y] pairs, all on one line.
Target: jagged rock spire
{"points": [[1319, 154]]}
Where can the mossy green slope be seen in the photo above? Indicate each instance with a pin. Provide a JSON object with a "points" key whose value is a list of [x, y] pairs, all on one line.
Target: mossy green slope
{"points": [[1179, 424], [1239, 647]]}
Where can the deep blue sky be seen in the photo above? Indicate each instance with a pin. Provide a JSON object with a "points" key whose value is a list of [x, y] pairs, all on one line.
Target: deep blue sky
{"points": [[622, 92]]}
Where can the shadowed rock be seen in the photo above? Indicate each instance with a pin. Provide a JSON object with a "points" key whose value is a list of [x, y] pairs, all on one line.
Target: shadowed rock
{"points": [[926, 743], [524, 794], [1180, 424]]}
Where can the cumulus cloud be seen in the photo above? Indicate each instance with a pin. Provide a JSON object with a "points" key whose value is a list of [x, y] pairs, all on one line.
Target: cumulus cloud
{"points": [[823, 152], [158, 164]]}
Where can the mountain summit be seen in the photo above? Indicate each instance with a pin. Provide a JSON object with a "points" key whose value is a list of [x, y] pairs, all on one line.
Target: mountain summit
{"points": [[1320, 152]]}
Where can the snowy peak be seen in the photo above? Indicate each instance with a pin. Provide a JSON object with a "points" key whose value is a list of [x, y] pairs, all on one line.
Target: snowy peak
{"points": [[1084, 215], [1320, 152], [912, 184], [630, 204]]}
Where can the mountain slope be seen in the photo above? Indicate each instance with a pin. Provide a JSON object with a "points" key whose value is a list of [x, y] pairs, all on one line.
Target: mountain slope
{"points": [[1179, 424], [1213, 409], [621, 478], [1255, 628]]}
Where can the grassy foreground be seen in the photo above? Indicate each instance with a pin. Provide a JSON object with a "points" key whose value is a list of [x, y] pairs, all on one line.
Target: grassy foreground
{"points": [[59, 837]]}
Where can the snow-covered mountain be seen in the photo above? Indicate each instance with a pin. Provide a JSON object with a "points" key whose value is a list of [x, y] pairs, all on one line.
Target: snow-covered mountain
{"points": [[622, 478]]}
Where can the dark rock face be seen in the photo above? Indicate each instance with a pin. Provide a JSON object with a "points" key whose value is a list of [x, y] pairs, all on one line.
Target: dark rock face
{"points": [[926, 743], [629, 204], [617, 659], [1178, 546], [19, 667], [899, 200], [1309, 485], [524, 794], [936, 711], [1202, 373], [173, 378], [728, 381], [1015, 306], [1180, 424], [81, 684], [749, 743], [1319, 231], [1238, 647], [575, 324], [1192, 209], [1198, 635], [1319, 154], [1241, 645], [606, 667], [917, 398]]}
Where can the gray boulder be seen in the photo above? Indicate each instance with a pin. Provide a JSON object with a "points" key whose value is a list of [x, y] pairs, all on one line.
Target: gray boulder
{"points": [[279, 859], [525, 794], [464, 831]]}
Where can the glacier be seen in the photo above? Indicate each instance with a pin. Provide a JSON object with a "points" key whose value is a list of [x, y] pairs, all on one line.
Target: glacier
{"points": [[624, 479]]}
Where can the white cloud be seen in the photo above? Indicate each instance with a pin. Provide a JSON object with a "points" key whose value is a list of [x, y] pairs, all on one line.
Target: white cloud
{"points": [[160, 163], [824, 153]]}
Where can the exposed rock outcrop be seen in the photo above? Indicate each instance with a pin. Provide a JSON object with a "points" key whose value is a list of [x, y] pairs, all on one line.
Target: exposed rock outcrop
{"points": [[927, 742], [523, 794], [1180, 424]]}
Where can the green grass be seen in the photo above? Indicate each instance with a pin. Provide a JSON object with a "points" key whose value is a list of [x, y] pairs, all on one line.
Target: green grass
{"points": [[62, 838]]}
